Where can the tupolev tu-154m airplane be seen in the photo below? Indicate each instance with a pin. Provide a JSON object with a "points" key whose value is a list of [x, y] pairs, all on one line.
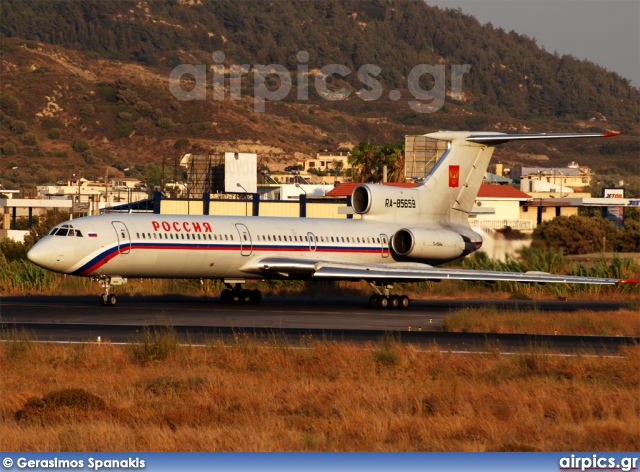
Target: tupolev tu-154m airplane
{"points": [[402, 234]]}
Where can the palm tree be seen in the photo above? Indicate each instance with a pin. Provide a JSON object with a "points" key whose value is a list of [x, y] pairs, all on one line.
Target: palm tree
{"points": [[363, 161]]}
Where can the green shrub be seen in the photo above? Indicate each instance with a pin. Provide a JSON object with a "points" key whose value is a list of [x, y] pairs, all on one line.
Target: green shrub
{"points": [[9, 104], [144, 108], [19, 127], [142, 126], [87, 109], [9, 149], [180, 143], [157, 114], [80, 145], [88, 156], [28, 139], [165, 123], [54, 133]]}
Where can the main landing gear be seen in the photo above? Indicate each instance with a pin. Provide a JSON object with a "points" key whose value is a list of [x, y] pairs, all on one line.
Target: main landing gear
{"points": [[237, 294], [109, 299], [383, 300]]}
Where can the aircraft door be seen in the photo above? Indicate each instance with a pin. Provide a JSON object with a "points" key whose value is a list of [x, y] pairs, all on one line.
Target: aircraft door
{"points": [[384, 242], [312, 242], [246, 245], [124, 240]]}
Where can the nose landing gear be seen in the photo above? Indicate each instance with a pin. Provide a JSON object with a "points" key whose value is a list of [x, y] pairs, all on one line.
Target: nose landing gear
{"points": [[109, 299]]}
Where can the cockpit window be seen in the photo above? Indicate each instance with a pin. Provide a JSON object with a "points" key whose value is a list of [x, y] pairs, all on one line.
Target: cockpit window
{"points": [[53, 231], [62, 232], [78, 233]]}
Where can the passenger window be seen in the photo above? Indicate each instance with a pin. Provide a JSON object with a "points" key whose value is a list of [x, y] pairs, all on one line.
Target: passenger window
{"points": [[231, 237], [342, 237], [306, 239], [137, 235], [269, 238], [378, 240], [171, 235], [245, 237], [226, 237], [155, 236], [279, 238], [295, 238], [143, 236]]}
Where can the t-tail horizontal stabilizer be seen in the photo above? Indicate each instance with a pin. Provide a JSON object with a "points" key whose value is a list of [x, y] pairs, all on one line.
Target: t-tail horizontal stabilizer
{"points": [[457, 176]]}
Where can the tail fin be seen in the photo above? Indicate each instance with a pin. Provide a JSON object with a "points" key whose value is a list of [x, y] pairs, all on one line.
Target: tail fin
{"points": [[456, 178]]}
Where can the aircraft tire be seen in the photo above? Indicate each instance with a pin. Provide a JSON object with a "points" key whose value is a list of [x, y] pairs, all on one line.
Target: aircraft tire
{"points": [[383, 302], [256, 296], [103, 299], [225, 296], [112, 300], [246, 296], [394, 301], [405, 302], [373, 301]]}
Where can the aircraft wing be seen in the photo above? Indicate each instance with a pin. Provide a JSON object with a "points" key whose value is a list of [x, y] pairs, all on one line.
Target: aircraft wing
{"points": [[413, 272]]}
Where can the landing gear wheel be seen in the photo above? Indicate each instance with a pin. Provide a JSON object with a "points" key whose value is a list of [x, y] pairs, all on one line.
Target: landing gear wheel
{"points": [[405, 302], [256, 296], [103, 299], [373, 301], [394, 301], [383, 302], [112, 300], [225, 296], [245, 296]]}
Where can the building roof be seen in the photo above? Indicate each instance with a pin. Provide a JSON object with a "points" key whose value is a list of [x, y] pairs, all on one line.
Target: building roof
{"points": [[497, 179], [506, 192]]}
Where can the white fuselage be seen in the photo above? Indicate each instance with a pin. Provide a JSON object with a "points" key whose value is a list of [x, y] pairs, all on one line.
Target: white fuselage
{"points": [[216, 247]]}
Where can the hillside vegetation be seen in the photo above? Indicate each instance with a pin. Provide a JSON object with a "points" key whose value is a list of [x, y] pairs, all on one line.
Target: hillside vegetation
{"points": [[85, 85]]}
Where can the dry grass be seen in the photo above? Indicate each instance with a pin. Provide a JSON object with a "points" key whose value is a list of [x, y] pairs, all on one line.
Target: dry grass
{"points": [[581, 322], [318, 397]]}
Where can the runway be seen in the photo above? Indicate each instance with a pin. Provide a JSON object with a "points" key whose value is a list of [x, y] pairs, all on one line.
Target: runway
{"points": [[80, 318]]}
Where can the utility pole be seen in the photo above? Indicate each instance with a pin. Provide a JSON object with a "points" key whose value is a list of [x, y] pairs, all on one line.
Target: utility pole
{"points": [[106, 188]]}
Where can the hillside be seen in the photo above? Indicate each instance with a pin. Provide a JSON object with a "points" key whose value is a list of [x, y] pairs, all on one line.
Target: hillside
{"points": [[98, 72]]}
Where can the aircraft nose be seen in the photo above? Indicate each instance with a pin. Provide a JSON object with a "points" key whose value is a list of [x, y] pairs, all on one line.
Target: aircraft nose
{"points": [[42, 255]]}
